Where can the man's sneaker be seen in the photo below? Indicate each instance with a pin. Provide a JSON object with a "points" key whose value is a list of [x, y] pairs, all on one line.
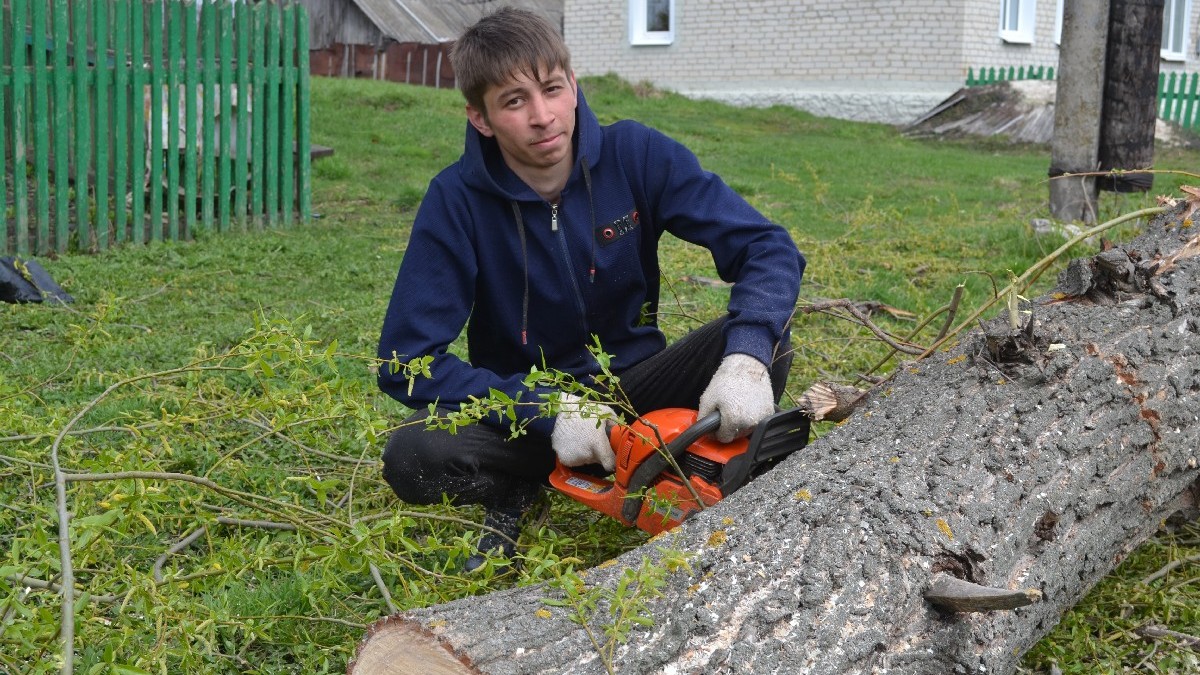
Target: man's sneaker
{"points": [[506, 521]]}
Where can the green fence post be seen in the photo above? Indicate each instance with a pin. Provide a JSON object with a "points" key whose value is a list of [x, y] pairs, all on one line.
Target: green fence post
{"points": [[191, 86], [273, 114], [225, 23], [1188, 121], [287, 110], [102, 136], [6, 224], [303, 122], [19, 131], [62, 127], [41, 125], [120, 123], [83, 136], [258, 184], [157, 121], [176, 148], [208, 45], [137, 58], [241, 175]]}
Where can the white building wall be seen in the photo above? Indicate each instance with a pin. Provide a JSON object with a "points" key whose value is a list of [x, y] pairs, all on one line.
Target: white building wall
{"points": [[870, 60]]}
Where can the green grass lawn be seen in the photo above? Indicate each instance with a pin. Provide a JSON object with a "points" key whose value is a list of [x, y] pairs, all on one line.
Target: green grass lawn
{"points": [[246, 359]]}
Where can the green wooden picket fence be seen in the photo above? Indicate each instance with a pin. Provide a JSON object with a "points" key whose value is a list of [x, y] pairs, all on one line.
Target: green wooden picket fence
{"points": [[143, 120], [1178, 93]]}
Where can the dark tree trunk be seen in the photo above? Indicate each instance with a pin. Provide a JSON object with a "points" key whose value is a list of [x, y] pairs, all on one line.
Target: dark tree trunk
{"points": [[1030, 461], [1130, 94]]}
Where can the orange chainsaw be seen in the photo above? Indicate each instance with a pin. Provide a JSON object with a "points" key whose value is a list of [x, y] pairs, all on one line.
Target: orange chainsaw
{"points": [[647, 489]]}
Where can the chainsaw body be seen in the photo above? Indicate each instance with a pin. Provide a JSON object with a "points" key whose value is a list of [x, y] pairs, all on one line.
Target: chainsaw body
{"points": [[646, 491]]}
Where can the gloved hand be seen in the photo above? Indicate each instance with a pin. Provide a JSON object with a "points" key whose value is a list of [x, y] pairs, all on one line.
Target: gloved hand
{"points": [[580, 434], [741, 390]]}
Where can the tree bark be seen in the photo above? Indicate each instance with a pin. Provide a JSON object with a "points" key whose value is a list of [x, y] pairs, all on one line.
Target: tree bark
{"points": [[1029, 461], [1078, 106], [1130, 94]]}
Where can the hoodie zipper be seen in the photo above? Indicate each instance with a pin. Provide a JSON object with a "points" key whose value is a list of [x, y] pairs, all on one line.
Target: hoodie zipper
{"points": [[562, 241]]}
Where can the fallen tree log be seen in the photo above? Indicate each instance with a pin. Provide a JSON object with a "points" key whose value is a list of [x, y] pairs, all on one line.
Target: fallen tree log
{"points": [[1029, 462]]}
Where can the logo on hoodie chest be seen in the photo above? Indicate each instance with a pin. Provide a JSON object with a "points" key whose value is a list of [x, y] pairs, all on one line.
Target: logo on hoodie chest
{"points": [[607, 234]]}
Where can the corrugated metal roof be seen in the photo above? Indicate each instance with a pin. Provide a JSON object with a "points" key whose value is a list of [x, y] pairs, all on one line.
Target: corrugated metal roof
{"points": [[427, 21]]}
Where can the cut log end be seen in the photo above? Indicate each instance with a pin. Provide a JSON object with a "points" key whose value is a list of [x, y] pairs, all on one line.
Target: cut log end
{"points": [[954, 594], [396, 646]]}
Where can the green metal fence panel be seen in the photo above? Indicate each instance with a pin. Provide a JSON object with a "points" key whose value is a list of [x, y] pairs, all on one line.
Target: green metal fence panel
{"points": [[131, 121]]}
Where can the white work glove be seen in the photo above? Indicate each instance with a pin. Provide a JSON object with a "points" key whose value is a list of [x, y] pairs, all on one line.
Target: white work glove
{"points": [[580, 433], [741, 390]]}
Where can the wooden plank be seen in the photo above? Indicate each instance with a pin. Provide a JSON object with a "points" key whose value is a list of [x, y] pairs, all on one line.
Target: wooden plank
{"points": [[41, 125], [303, 123], [154, 114], [208, 16], [224, 180], [287, 114], [272, 108], [103, 135], [241, 175], [191, 55], [20, 131], [120, 124]]}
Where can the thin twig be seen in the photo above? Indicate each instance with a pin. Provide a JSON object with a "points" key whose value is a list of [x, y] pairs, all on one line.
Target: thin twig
{"points": [[1169, 567], [862, 318], [387, 595], [1154, 632], [33, 582], [175, 548]]}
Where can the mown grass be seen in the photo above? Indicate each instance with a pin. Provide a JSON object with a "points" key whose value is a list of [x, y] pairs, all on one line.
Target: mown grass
{"points": [[246, 358]]}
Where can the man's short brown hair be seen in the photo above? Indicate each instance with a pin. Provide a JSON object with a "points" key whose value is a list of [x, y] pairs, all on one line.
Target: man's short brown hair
{"points": [[502, 44]]}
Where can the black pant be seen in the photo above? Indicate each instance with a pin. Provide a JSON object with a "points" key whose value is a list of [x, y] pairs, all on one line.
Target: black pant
{"points": [[481, 464]]}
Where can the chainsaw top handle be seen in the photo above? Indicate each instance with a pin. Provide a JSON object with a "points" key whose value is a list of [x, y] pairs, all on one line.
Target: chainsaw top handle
{"points": [[657, 463]]}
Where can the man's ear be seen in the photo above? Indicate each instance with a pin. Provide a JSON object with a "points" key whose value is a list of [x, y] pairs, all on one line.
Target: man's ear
{"points": [[478, 119]]}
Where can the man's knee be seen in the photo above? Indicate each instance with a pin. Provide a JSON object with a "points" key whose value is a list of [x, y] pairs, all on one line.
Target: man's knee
{"points": [[411, 470]]}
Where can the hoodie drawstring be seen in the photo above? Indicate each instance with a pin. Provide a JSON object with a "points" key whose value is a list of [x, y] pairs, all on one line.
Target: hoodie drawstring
{"points": [[525, 262], [587, 181]]}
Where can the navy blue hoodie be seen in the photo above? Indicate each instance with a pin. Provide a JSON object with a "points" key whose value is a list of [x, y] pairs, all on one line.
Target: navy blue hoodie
{"points": [[533, 283]]}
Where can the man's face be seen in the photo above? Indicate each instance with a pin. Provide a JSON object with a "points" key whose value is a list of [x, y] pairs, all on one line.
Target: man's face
{"points": [[532, 121]]}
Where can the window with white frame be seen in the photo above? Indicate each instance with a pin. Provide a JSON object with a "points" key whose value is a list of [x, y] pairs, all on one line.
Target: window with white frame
{"points": [[1016, 20], [1175, 29], [651, 22]]}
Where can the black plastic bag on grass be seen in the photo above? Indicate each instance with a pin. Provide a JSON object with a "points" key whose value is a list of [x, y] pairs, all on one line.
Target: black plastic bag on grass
{"points": [[27, 281]]}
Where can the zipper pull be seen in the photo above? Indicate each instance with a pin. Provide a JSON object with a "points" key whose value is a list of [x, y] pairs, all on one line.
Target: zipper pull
{"points": [[554, 217]]}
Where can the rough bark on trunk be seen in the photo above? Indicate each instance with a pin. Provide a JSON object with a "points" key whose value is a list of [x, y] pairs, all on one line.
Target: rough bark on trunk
{"points": [[1024, 460], [1130, 94]]}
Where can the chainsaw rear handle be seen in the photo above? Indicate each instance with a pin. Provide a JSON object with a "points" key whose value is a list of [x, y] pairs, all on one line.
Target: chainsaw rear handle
{"points": [[645, 474]]}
